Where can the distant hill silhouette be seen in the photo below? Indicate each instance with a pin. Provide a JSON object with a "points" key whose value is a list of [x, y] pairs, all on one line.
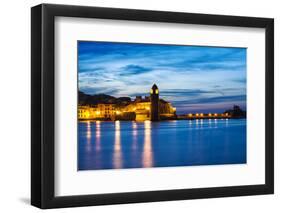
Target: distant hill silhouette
{"points": [[236, 112], [86, 99]]}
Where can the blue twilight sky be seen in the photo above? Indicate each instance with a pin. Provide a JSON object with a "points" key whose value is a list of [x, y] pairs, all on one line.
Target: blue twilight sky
{"points": [[192, 78]]}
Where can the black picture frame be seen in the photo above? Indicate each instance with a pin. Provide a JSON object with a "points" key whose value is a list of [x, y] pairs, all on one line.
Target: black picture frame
{"points": [[43, 111]]}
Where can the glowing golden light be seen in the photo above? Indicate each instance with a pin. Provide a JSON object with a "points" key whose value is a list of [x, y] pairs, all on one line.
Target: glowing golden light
{"points": [[216, 114], [197, 114], [201, 114], [141, 106], [210, 114], [190, 114]]}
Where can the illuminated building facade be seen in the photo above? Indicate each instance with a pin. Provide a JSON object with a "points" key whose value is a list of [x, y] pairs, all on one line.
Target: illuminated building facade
{"points": [[106, 111], [98, 112], [87, 112], [141, 109], [145, 108]]}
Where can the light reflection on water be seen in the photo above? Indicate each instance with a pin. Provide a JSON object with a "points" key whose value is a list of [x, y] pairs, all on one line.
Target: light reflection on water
{"points": [[147, 159], [88, 136], [98, 136], [115, 145], [135, 135], [117, 154], [216, 122]]}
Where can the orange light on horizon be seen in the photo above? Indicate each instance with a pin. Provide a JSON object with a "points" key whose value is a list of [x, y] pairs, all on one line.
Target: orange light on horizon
{"points": [[201, 114], [210, 114], [216, 114]]}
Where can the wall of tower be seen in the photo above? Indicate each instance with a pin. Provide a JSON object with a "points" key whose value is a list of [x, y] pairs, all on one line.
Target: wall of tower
{"points": [[154, 99]]}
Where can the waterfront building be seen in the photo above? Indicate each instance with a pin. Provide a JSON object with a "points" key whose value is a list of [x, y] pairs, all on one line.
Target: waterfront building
{"points": [[141, 109], [87, 112], [106, 111], [151, 107]]}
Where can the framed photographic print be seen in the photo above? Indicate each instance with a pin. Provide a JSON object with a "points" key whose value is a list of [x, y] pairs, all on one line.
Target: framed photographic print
{"points": [[140, 106]]}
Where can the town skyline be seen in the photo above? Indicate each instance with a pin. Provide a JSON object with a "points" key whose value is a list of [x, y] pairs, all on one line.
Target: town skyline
{"points": [[192, 78]]}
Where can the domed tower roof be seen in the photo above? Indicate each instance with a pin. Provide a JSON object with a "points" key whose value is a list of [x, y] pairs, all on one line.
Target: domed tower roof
{"points": [[154, 87]]}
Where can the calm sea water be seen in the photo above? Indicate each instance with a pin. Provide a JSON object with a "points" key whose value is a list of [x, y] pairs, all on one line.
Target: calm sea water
{"points": [[127, 144]]}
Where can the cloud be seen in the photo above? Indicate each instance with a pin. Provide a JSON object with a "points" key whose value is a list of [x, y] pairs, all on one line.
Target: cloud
{"points": [[184, 92], [216, 99], [99, 90], [133, 69], [186, 75]]}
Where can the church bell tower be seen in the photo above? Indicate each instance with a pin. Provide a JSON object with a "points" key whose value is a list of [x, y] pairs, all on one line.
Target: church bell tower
{"points": [[154, 103]]}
